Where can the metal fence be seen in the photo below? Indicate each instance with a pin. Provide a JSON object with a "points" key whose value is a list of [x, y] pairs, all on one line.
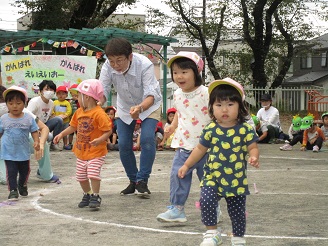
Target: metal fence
{"points": [[291, 99]]}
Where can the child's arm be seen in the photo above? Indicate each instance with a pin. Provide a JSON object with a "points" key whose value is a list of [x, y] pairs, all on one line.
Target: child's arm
{"points": [[67, 131], [194, 157], [101, 139], [254, 154], [35, 136]]}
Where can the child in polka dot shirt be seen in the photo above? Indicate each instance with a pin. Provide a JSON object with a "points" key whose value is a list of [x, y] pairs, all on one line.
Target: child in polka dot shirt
{"points": [[227, 140]]}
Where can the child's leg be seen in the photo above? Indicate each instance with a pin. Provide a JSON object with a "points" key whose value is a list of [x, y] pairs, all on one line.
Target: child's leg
{"points": [[65, 140], [82, 178], [24, 172], [237, 209], [93, 173], [12, 172], [70, 138], [209, 202]]}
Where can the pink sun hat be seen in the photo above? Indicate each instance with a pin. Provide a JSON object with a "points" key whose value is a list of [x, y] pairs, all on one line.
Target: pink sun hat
{"points": [[192, 56], [227, 81], [15, 88], [92, 88]]}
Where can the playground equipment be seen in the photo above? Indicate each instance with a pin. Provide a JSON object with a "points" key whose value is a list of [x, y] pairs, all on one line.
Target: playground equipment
{"points": [[317, 104]]}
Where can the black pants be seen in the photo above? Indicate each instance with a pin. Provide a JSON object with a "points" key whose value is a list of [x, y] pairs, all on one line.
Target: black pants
{"points": [[317, 142], [13, 169], [297, 138]]}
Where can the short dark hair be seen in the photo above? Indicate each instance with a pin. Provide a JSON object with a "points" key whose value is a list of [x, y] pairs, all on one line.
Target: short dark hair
{"points": [[225, 92], [186, 63], [2, 89], [48, 83], [118, 47], [14, 95]]}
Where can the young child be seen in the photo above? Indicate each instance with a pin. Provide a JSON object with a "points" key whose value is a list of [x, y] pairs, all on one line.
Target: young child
{"points": [[295, 133], [63, 109], [15, 127], [167, 139], [324, 127], [74, 105], [112, 141], [229, 139], [136, 136], [313, 136], [191, 102], [93, 129]]}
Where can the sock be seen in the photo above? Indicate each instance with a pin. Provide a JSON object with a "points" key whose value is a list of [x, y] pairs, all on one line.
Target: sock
{"points": [[90, 192]]}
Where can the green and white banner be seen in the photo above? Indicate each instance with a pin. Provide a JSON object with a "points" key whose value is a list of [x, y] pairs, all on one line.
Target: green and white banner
{"points": [[29, 71]]}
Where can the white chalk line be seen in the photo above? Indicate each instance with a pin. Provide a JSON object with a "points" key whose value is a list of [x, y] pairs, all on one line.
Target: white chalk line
{"points": [[36, 205]]}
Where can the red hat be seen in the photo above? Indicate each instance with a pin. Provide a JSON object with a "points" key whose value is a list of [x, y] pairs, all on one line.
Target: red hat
{"points": [[73, 87], [171, 110], [138, 121], [62, 88], [110, 108]]}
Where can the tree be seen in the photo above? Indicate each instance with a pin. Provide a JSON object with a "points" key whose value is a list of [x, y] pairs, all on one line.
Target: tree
{"points": [[269, 28], [49, 14]]}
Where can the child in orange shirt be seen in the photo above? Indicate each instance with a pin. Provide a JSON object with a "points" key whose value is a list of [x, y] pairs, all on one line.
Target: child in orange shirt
{"points": [[93, 129], [313, 136]]}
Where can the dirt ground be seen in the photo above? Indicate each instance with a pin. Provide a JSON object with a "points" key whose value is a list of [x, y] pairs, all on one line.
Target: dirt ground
{"points": [[290, 207]]}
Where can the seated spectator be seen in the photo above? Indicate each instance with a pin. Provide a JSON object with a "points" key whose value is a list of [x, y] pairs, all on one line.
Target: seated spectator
{"points": [[269, 115], [264, 132], [167, 139], [313, 136], [42, 106], [63, 109], [159, 132], [295, 133], [136, 136], [324, 127], [112, 142]]}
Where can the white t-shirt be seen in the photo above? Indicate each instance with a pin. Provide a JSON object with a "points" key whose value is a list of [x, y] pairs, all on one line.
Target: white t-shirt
{"points": [[192, 110], [41, 109], [271, 116]]}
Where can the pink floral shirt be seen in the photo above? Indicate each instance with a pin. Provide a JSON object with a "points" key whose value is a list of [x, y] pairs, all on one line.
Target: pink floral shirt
{"points": [[192, 110]]}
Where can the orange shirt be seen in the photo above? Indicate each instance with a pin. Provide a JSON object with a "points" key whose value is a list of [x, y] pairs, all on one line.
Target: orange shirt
{"points": [[90, 124], [318, 132]]}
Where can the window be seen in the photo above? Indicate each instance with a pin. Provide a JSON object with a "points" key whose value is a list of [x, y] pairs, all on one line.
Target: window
{"points": [[324, 59], [306, 61]]}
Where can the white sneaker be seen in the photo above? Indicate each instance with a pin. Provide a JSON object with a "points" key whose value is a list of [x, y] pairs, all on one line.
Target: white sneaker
{"points": [[315, 148], [212, 238], [286, 147], [238, 241]]}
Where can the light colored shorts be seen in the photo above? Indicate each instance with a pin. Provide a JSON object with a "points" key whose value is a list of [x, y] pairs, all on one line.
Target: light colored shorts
{"points": [[89, 169]]}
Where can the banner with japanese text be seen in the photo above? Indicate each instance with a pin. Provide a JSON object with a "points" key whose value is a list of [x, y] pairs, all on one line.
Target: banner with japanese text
{"points": [[29, 71]]}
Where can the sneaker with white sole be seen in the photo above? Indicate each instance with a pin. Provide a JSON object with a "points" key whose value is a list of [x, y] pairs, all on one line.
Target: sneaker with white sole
{"points": [[85, 201], [130, 190], [238, 241], [212, 238], [173, 214], [286, 147], [13, 195], [95, 201], [315, 148], [142, 189]]}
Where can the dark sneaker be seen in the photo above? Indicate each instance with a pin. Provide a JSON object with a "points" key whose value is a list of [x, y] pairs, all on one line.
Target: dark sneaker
{"points": [[85, 201], [68, 147], [95, 201], [130, 189], [142, 189], [23, 190], [13, 195]]}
